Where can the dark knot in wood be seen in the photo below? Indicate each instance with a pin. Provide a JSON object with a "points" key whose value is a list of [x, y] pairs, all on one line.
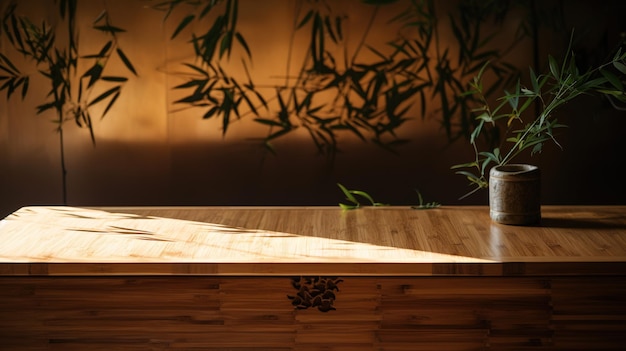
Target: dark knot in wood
{"points": [[317, 292]]}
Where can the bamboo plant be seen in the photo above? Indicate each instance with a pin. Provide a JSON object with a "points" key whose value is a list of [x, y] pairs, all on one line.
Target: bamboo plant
{"points": [[526, 130]]}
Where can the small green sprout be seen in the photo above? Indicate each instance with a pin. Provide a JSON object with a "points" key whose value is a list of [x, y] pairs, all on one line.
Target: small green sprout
{"points": [[354, 202], [422, 205]]}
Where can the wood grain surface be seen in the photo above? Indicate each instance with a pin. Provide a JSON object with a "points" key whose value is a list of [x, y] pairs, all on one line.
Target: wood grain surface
{"points": [[255, 314], [261, 279], [310, 240]]}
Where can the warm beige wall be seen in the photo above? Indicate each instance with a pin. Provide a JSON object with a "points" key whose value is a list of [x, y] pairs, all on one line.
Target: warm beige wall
{"points": [[148, 153]]}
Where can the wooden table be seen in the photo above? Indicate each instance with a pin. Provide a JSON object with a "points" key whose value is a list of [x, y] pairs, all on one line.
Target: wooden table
{"points": [[311, 278]]}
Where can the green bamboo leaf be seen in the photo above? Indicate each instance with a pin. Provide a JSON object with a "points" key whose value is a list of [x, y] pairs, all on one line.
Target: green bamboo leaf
{"points": [[483, 166], [364, 195], [419, 196], [485, 117], [347, 193], [620, 66], [465, 165], [126, 61], [476, 132], [468, 175], [615, 93], [537, 149], [348, 207], [184, 23], [491, 156], [554, 67], [427, 206], [616, 82], [514, 139], [485, 163], [513, 99], [422, 205], [594, 83]]}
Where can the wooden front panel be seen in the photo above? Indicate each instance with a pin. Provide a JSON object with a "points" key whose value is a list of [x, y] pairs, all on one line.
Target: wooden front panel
{"points": [[260, 313], [589, 313]]}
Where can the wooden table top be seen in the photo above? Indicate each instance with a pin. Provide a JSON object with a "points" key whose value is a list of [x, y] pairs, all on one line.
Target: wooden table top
{"points": [[459, 240]]}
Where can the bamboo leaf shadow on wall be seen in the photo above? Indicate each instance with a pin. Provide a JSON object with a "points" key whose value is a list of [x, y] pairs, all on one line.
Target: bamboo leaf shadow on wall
{"points": [[366, 90], [55, 55]]}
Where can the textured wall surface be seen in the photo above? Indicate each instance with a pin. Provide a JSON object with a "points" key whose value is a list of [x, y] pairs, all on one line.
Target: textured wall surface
{"points": [[149, 151]]}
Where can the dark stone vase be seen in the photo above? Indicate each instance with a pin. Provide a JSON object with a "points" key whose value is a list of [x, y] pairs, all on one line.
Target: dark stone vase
{"points": [[514, 194]]}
